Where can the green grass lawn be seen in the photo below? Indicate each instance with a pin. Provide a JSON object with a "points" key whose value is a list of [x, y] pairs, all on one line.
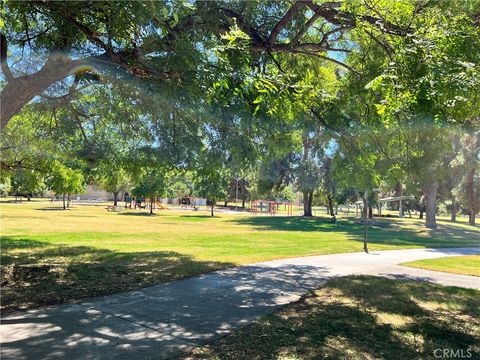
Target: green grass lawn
{"points": [[465, 265], [50, 255], [360, 318]]}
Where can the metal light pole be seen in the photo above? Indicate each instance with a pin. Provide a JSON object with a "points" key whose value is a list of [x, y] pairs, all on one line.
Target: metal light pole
{"points": [[365, 222]]}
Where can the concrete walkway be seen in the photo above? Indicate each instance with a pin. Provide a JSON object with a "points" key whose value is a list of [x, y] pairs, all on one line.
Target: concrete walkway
{"points": [[159, 321]]}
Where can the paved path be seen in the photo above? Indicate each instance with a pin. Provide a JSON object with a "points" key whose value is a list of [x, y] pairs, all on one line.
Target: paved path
{"points": [[159, 321]]}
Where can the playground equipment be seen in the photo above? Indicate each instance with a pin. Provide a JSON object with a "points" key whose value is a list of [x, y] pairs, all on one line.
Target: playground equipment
{"points": [[156, 204], [270, 207], [114, 208], [143, 203], [160, 205]]}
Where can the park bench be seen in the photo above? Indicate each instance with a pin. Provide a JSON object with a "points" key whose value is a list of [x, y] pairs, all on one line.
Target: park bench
{"points": [[114, 208]]}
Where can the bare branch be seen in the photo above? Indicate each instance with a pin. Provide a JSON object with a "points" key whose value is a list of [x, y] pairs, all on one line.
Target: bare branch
{"points": [[385, 46]]}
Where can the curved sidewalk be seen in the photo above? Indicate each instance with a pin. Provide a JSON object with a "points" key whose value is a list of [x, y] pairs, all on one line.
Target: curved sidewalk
{"points": [[159, 321]]}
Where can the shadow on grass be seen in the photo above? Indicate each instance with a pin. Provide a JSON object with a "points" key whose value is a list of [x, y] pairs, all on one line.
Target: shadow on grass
{"points": [[386, 232], [137, 214], [207, 216], [360, 317], [193, 217], [50, 274], [466, 223], [60, 208]]}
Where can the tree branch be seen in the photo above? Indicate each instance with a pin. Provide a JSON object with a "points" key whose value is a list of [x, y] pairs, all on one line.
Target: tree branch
{"points": [[23, 89], [283, 22], [386, 47], [3, 58], [339, 17], [253, 33]]}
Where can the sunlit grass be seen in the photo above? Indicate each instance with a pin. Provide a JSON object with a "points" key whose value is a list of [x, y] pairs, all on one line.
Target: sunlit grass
{"points": [[465, 265], [50, 255]]}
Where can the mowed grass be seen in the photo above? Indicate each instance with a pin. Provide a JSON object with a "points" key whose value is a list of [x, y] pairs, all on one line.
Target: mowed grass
{"points": [[465, 265], [360, 318], [50, 255]]}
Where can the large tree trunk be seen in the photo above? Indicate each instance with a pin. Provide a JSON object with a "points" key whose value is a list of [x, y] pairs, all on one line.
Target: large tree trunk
{"points": [[470, 189], [310, 202], [420, 214], [330, 205], [431, 204], [471, 219], [151, 207], [370, 212], [307, 203], [211, 209], [243, 203], [64, 205], [115, 195], [454, 210], [68, 200]]}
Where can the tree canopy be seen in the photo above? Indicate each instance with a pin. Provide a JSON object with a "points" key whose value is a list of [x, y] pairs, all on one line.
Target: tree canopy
{"points": [[317, 96]]}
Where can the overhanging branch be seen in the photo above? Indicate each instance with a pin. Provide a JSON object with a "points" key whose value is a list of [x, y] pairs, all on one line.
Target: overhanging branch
{"points": [[3, 58]]}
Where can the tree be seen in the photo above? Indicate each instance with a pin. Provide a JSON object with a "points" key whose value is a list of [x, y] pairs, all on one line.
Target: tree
{"points": [[430, 80], [5, 186], [66, 181], [27, 182], [424, 146], [308, 181], [288, 194], [328, 184], [471, 183], [169, 51], [114, 179], [108, 51], [359, 165], [453, 163], [238, 189], [151, 185], [180, 184], [211, 177], [469, 197]]}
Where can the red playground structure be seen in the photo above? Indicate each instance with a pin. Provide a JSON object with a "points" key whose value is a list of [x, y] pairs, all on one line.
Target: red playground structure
{"points": [[270, 207]]}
